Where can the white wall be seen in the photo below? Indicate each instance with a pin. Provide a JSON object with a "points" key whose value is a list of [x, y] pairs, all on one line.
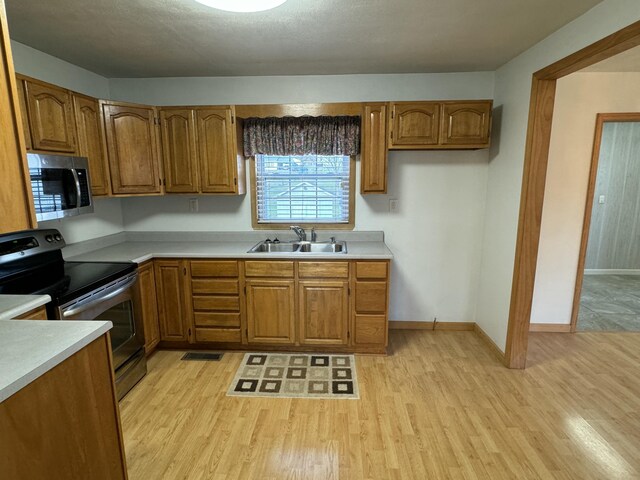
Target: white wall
{"points": [[512, 94], [107, 218], [434, 236], [579, 98]]}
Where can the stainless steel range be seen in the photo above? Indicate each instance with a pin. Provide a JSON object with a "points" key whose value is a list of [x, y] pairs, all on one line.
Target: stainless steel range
{"points": [[31, 263]]}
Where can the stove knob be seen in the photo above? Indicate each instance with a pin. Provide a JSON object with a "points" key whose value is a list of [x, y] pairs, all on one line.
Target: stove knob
{"points": [[49, 238], [58, 237]]}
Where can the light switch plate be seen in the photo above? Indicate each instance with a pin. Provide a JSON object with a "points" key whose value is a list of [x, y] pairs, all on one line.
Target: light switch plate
{"points": [[601, 199], [193, 205]]}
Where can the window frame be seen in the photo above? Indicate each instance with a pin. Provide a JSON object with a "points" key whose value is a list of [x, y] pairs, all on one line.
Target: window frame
{"points": [[350, 225]]}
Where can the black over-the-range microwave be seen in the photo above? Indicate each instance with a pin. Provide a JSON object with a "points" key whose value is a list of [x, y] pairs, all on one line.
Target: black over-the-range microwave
{"points": [[60, 184]]}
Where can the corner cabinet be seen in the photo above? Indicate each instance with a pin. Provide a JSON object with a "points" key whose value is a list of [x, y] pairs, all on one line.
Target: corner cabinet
{"points": [[440, 125], [132, 148]]}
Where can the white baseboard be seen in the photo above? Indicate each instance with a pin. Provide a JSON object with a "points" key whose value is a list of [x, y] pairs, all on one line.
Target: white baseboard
{"points": [[611, 271]]}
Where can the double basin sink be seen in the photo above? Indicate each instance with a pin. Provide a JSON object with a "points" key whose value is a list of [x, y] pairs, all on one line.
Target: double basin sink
{"points": [[299, 247]]}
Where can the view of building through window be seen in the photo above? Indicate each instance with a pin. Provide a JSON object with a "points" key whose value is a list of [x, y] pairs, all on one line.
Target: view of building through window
{"points": [[302, 188]]}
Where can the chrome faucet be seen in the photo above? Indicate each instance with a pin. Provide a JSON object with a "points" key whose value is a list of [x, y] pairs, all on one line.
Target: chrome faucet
{"points": [[302, 235], [314, 235]]}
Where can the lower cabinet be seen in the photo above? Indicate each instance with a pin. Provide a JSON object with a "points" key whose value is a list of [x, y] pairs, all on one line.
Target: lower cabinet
{"points": [[145, 299], [271, 312], [171, 277], [324, 312], [339, 305]]}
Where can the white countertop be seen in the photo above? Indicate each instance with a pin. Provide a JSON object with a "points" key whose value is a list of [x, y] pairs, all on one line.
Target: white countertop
{"points": [[138, 251], [30, 348], [12, 306]]}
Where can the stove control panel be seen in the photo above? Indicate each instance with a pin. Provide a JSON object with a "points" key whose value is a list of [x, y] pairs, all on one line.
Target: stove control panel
{"points": [[17, 245]]}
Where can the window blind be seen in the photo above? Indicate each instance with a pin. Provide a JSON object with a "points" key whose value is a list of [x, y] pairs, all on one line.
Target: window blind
{"points": [[303, 189]]}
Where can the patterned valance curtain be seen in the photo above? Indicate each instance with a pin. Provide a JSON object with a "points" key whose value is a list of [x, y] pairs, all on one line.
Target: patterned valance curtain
{"points": [[302, 136]]}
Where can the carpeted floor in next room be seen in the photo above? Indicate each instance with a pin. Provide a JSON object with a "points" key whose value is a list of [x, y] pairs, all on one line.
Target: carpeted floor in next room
{"points": [[440, 406], [610, 303]]}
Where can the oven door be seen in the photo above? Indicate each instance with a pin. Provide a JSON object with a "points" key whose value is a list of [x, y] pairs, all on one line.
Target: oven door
{"points": [[115, 304]]}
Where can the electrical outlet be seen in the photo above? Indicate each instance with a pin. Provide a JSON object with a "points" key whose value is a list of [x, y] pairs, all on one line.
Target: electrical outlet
{"points": [[393, 205], [193, 205], [601, 199]]}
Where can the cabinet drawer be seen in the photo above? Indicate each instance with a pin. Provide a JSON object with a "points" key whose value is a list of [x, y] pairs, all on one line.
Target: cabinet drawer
{"points": [[215, 286], [218, 335], [268, 269], [366, 270], [223, 268], [371, 297], [216, 303], [323, 270], [370, 330], [216, 319]]}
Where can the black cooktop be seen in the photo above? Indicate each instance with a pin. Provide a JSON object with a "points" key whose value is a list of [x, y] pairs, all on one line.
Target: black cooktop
{"points": [[66, 281]]}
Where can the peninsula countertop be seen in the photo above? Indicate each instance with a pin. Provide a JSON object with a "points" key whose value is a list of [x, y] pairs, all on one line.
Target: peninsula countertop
{"points": [[12, 306], [30, 348], [142, 247]]}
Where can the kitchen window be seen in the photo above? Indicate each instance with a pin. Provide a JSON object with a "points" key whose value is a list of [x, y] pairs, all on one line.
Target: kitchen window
{"points": [[302, 170], [303, 189]]}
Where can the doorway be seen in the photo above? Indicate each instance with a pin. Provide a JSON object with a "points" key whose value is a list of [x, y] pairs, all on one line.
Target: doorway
{"points": [[607, 296]]}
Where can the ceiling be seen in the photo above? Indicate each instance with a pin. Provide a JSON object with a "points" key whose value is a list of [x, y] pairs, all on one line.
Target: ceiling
{"points": [[627, 61], [165, 38]]}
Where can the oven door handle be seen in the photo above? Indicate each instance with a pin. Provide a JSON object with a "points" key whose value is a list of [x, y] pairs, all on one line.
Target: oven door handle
{"points": [[99, 298]]}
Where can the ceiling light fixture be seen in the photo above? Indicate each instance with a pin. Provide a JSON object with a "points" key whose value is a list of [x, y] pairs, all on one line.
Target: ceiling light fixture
{"points": [[244, 6]]}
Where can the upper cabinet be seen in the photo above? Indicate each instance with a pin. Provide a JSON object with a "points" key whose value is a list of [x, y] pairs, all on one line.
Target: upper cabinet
{"points": [[15, 188], [201, 152], [50, 117], [132, 148], [440, 125], [467, 123], [373, 155], [414, 124], [90, 142], [179, 150]]}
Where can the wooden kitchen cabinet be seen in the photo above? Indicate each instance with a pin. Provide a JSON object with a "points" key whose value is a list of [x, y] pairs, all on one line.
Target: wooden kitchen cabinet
{"points": [[50, 116], [146, 302], [15, 186], [271, 311], [324, 312], [132, 148], [22, 98], [440, 125], [466, 123], [216, 301], [220, 161], [179, 150], [39, 313], [370, 325], [66, 423], [414, 124], [171, 277], [373, 154], [91, 142]]}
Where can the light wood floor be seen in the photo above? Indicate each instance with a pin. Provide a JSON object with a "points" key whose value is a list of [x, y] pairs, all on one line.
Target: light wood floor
{"points": [[441, 406]]}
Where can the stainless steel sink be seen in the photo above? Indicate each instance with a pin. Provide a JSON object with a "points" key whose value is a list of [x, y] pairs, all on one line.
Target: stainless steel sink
{"points": [[300, 247]]}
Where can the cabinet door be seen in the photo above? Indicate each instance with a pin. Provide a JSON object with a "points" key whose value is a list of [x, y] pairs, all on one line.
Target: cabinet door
{"points": [[373, 156], [414, 124], [179, 150], [15, 186], [90, 142], [24, 115], [271, 311], [324, 312], [147, 306], [466, 123], [132, 149], [51, 120], [170, 287], [217, 151]]}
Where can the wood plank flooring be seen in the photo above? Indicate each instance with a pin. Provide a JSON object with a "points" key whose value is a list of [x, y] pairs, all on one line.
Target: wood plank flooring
{"points": [[440, 406]]}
